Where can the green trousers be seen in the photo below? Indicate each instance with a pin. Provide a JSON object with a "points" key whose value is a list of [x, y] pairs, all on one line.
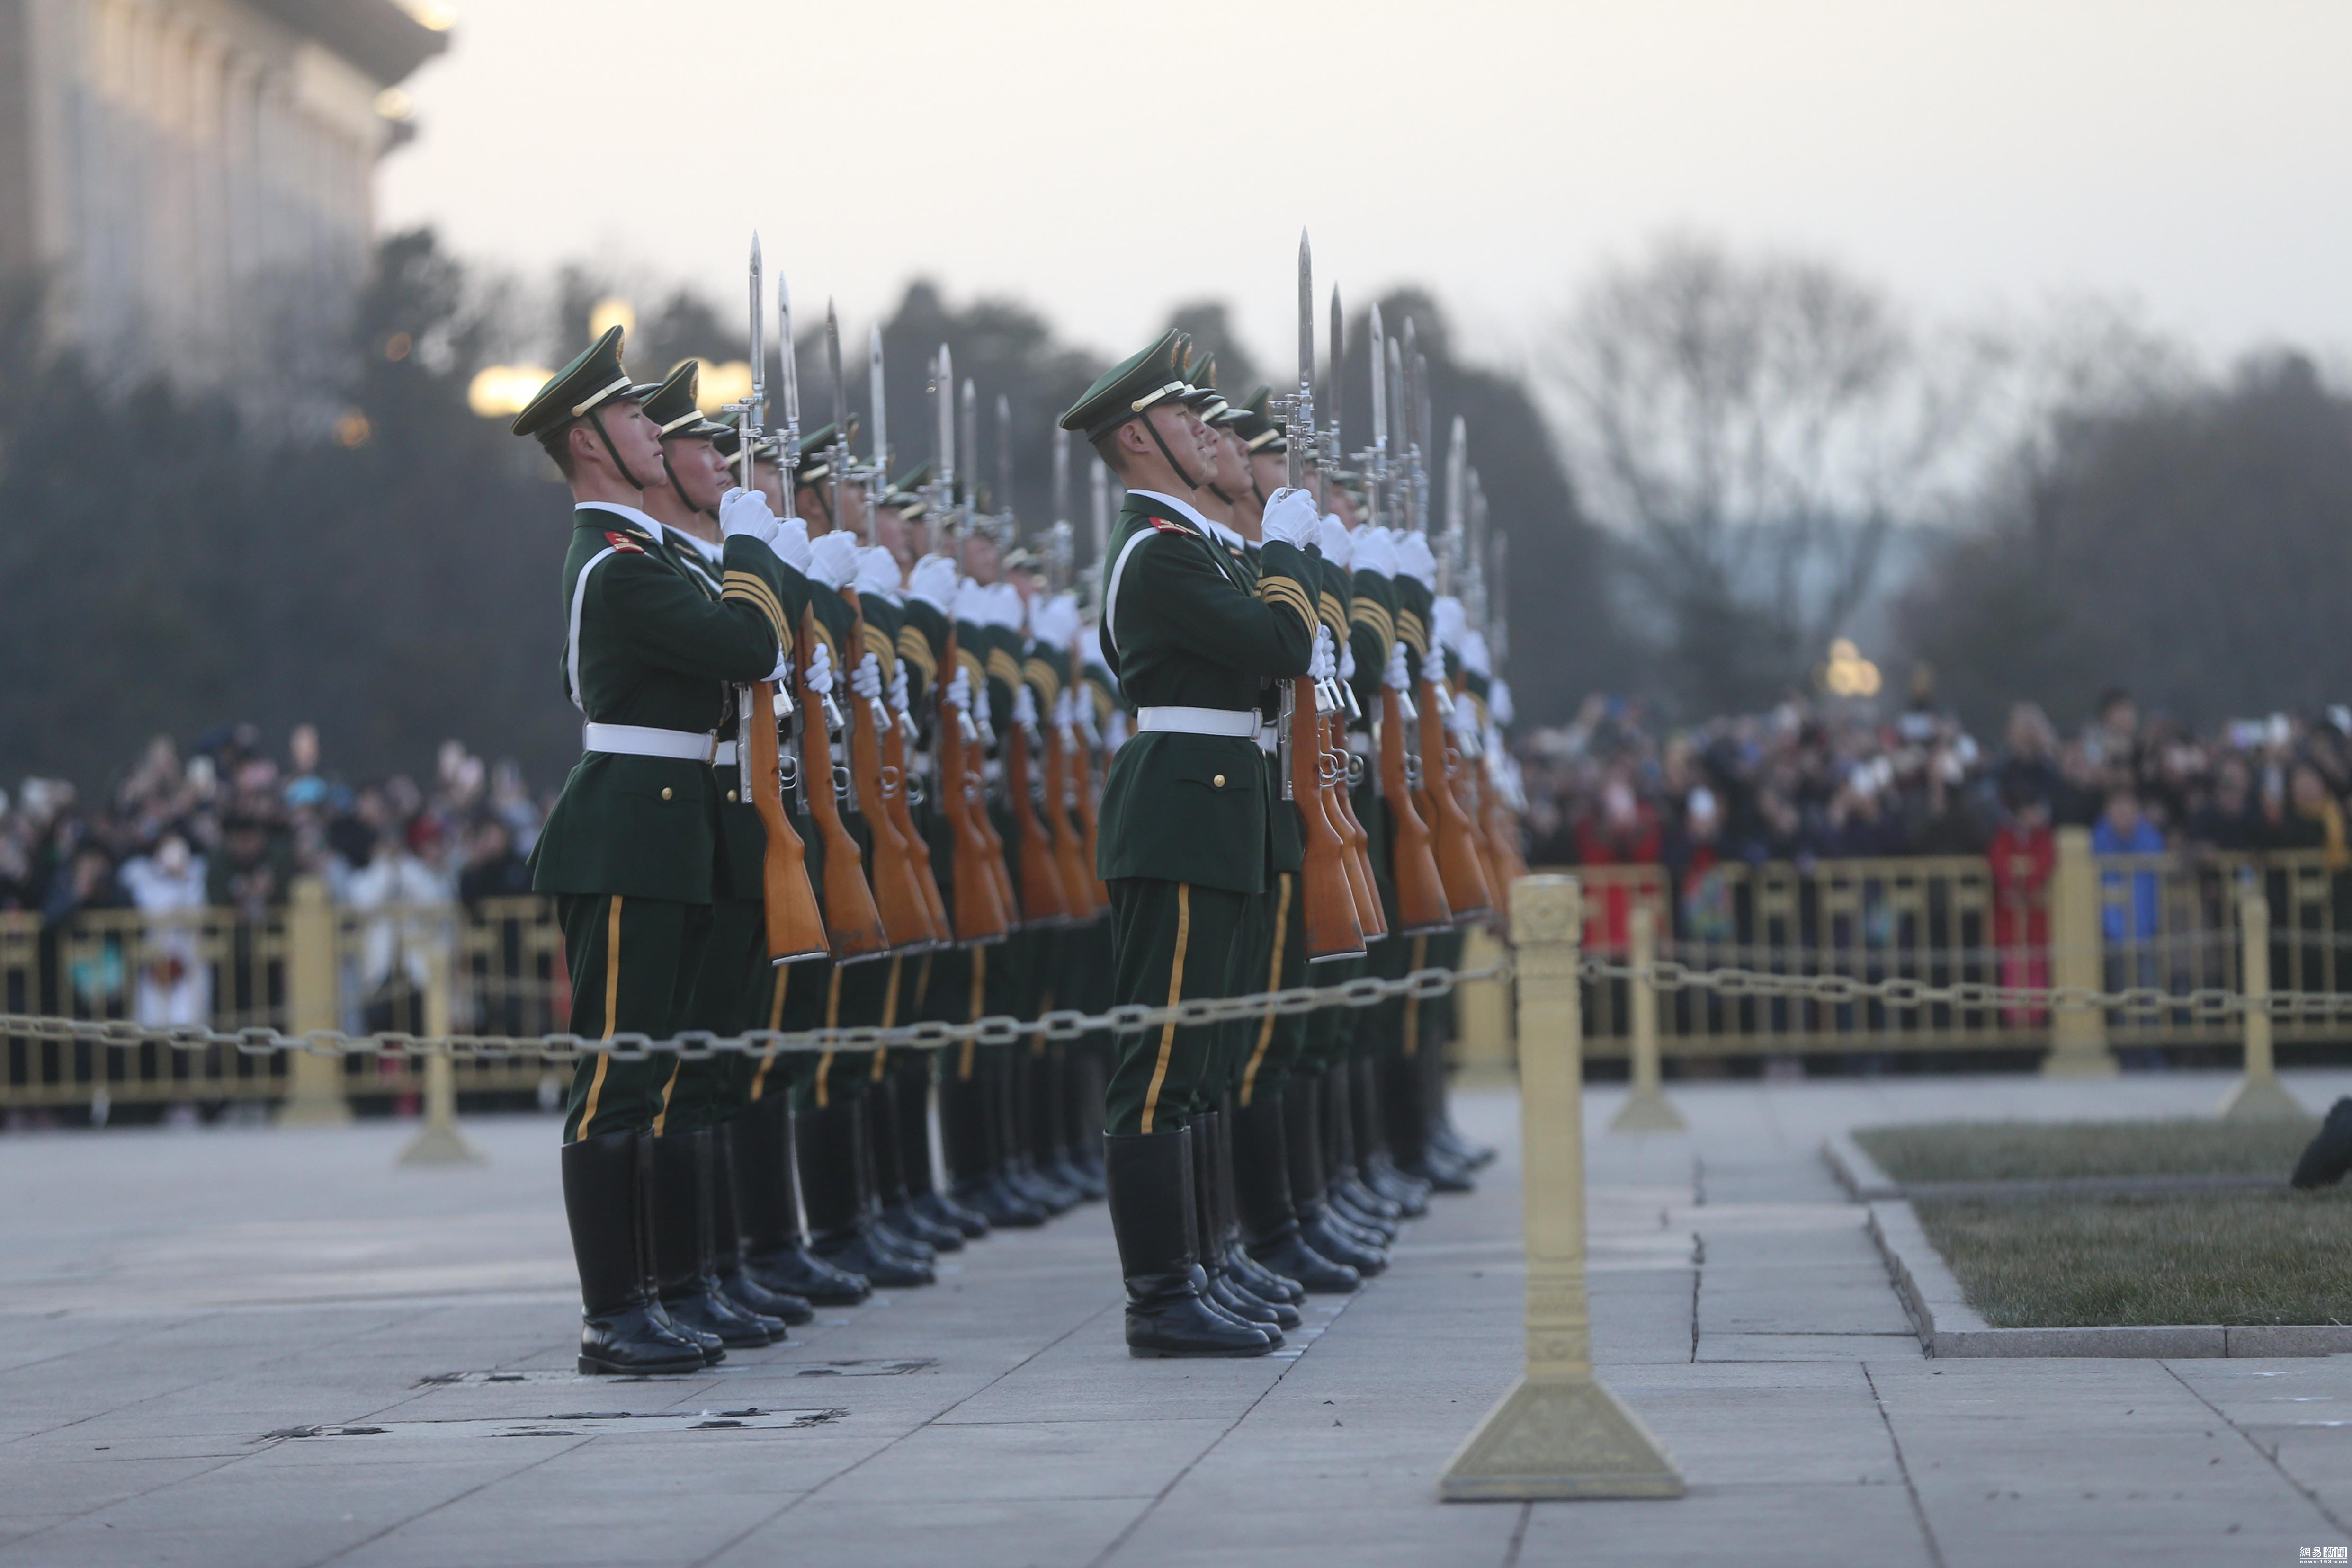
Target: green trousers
{"points": [[1169, 941], [1276, 1042], [633, 962]]}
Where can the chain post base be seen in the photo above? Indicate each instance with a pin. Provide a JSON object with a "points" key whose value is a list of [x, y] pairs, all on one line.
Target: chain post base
{"points": [[2252, 1099], [1648, 1110]]}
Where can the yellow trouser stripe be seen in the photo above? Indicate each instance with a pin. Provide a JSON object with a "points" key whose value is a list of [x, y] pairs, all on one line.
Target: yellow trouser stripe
{"points": [[1175, 995], [775, 1020], [612, 1000], [890, 1013], [832, 1015], [1272, 983]]}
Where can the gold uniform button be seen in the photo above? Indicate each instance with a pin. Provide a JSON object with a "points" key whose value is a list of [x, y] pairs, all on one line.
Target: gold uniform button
{"points": [[664, 792], [730, 796], [1219, 781]]}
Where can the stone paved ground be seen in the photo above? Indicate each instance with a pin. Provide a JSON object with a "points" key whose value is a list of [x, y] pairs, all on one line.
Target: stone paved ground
{"points": [[171, 1300]]}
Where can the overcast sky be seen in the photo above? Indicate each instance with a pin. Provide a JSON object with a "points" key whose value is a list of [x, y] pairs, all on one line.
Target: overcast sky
{"points": [[1105, 160]]}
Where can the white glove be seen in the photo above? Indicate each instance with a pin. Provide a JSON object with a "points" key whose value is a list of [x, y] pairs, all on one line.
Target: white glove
{"points": [[1348, 662], [790, 542], [878, 573], [899, 703], [1414, 560], [1498, 701], [1475, 657], [782, 673], [1082, 714], [1450, 622], [745, 512], [1338, 544], [934, 582], [981, 709], [1006, 607], [959, 692], [1290, 518], [1433, 668], [1115, 730], [1321, 664], [1063, 709], [1462, 718], [833, 559], [1025, 705], [866, 680], [1400, 671], [820, 671], [1055, 620], [973, 602], [1374, 550]]}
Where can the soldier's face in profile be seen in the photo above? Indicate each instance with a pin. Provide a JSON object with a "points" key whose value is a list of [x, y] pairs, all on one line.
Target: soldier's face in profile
{"points": [[701, 471], [769, 480], [1233, 476], [636, 440], [1270, 470]]}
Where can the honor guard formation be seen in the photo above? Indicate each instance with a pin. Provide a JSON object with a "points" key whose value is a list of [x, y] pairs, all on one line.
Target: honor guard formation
{"points": [[858, 752]]}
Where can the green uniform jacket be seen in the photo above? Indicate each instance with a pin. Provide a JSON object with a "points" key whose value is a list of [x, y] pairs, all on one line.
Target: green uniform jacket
{"points": [[651, 647], [1287, 832], [1182, 631]]}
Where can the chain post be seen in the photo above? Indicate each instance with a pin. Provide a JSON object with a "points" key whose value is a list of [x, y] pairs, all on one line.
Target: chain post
{"points": [[1560, 1432], [314, 1081], [1483, 1051], [2257, 1096], [2078, 1035], [1646, 1109], [438, 1142]]}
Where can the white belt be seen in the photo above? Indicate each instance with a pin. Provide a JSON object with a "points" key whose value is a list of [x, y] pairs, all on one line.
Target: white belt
{"points": [[1269, 737], [1359, 742], [640, 740], [1241, 724], [724, 756]]}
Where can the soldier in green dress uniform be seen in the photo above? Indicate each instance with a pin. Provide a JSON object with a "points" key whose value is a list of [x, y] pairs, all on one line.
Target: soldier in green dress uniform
{"points": [[630, 851], [1184, 832]]}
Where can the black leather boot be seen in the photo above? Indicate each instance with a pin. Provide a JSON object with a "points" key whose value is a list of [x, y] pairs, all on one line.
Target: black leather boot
{"points": [[1376, 1114], [618, 1333], [768, 1212], [1303, 1137], [1085, 1111], [713, 1351], [1284, 1295], [1014, 1108], [913, 1109], [1443, 1136], [1405, 1090], [968, 1139], [1151, 1215], [1223, 1290], [1049, 1126], [2328, 1157], [885, 1130], [683, 1244], [833, 1186], [1262, 1202], [1346, 1186], [727, 1242]]}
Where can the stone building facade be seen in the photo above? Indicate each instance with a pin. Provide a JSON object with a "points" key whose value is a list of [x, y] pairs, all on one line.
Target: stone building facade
{"points": [[186, 186]]}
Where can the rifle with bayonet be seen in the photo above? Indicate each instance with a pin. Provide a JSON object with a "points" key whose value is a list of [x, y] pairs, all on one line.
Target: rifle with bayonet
{"points": [[980, 915], [1344, 708], [1455, 842], [1064, 765], [1420, 890], [1328, 900], [1089, 788], [851, 914], [899, 737], [999, 870], [795, 925], [1044, 900]]}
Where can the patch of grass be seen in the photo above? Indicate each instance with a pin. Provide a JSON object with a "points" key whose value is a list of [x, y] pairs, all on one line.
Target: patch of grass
{"points": [[2227, 1258], [2045, 1151]]}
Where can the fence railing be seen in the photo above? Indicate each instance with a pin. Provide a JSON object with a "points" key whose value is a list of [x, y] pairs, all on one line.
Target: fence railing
{"points": [[2177, 923], [494, 967]]}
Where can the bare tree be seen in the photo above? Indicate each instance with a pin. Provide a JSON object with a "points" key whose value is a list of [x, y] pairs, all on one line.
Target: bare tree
{"points": [[1752, 428]]}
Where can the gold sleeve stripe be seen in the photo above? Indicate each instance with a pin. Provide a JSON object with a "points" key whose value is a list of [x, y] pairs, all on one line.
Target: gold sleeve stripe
{"points": [[878, 643], [1372, 613], [1001, 667], [916, 649], [973, 670], [752, 592], [824, 636], [1335, 615], [1282, 592], [1040, 673], [1408, 627]]}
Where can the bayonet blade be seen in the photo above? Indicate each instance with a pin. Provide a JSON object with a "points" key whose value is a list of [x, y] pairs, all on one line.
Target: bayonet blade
{"points": [[943, 449], [875, 395], [833, 363], [1301, 432], [968, 443], [792, 366], [1061, 477], [1005, 456], [759, 333]]}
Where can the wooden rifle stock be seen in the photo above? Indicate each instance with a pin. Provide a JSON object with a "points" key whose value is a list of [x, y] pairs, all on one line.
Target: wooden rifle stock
{"points": [[897, 898], [1089, 797], [998, 875], [1369, 913], [927, 881], [850, 917], [1421, 892], [1456, 845], [1072, 865], [1042, 898], [980, 916], [795, 924], [1327, 894]]}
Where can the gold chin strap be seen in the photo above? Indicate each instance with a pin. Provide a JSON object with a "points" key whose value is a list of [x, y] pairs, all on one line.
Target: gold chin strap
{"points": [[596, 423]]}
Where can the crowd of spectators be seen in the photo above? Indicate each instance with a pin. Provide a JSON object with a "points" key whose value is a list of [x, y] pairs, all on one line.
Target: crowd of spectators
{"points": [[1830, 780]]}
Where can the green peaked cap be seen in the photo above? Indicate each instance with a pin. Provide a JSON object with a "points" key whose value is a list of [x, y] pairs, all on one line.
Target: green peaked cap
{"points": [[1206, 400], [587, 383], [1130, 387], [906, 493], [816, 458], [672, 404], [1253, 423]]}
